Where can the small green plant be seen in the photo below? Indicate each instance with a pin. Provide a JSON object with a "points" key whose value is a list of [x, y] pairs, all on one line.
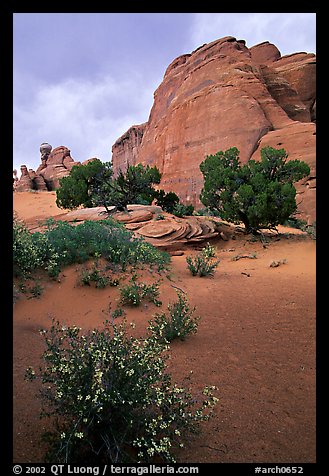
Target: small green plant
{"points": [[302, 225], [181, 210], [207, 212], [118, 312], [311, 230], [112, 397], [36, 291], [178, 324], [96, 276], [133, 294], [203, 264]]}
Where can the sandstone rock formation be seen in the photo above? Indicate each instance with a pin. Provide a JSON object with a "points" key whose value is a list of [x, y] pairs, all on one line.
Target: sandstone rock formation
{"points": [[24, 184], [128, 146], [221, 95], [15, 179], [55, 164], [169, 233], [58, 164]]}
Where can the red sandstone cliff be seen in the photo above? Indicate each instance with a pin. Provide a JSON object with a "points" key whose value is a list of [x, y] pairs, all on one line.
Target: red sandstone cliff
{"points": [[223, 95]]}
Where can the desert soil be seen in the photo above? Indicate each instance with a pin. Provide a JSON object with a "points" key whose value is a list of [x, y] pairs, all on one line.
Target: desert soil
{"points": [[255, 342]]}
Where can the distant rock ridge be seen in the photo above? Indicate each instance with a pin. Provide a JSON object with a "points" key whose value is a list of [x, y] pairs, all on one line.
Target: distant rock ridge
{"points": [[55, 164], [222, 95]]}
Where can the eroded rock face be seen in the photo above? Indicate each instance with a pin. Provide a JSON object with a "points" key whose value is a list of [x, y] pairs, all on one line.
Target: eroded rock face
{"points": [[59, 164], [291, 79], [55, 164], [24, 184], [127, 147], [222, 95]]}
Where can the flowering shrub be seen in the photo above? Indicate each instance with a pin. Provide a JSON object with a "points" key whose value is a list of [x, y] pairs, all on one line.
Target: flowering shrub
{"points": [[203, 263], [114, 400], [31, 251], [94, 276], [178, 324], [132, 294], [107, 238], [63, 244], [208, 251]]}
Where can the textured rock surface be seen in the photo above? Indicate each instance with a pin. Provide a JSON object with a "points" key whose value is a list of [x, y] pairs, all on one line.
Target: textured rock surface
{"points": [[219, 96], [59, 164], [168, 233], [127, 147], [54, 165], [24, 184]]}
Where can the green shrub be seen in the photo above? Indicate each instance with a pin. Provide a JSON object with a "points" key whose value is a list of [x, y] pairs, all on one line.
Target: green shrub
{"points": [[107, 238], [166, 201], [32, 251], [203, 263], [75, 189], [260, 194], [207, 212], [133, 294], [170, 203], [94, 184], [302, 225], [26, 255], [181, 210], [135, 185], [113, 398], [311, 230], [178, 324], [63, 244], [94, 276]]}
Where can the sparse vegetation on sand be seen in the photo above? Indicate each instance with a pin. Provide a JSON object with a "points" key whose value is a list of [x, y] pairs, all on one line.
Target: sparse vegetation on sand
{"points": [[132, 294], [178, 324], [203, 264], [63, 244], [110, 394]]}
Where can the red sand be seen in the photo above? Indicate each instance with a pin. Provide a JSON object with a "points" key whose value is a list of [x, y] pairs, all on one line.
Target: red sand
{"points": [[255, 342]]}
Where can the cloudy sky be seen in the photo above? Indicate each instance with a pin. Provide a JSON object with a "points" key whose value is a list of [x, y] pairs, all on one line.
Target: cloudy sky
{"points": [[82, 79]]}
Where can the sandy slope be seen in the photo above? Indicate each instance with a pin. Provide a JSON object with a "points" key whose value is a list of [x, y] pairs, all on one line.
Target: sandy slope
{"points": [[256, 342]]}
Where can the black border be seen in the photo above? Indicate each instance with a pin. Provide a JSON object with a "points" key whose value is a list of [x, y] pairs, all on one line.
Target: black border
{"points": [[6, 31]]}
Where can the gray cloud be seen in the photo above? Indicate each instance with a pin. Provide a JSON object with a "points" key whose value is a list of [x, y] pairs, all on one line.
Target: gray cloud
{"points": [[81, 80], [86, 116], [290, 32]]}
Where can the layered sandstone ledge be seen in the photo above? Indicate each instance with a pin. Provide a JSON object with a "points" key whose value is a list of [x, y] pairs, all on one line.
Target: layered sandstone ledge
{"points": [[161, 229]]}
